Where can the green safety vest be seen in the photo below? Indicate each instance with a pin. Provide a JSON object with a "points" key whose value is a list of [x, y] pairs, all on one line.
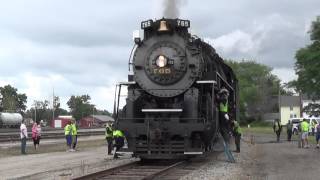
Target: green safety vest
{"points": [[224, 107], [67, 129], [304, 126], [109, 132], [117, 133], [74, 129], [237, 128]]}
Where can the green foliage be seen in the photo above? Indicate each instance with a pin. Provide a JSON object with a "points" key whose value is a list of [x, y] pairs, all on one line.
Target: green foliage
{"points": [[312, 109], [11, 100], [307, 68], [80, 106], [315, 30], [256, 87]]}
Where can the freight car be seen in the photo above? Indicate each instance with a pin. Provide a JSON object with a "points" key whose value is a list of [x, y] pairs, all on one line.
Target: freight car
{"points": [[171, 108], [10, 119]]}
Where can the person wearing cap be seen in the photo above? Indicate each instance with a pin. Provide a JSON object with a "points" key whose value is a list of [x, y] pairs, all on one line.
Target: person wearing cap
{"points": [[74, 133], [109, 137], [277, 128], [224, 121]]}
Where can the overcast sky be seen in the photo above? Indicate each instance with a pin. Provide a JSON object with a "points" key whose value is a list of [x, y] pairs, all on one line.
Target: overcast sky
{"points": [[82, 47]]}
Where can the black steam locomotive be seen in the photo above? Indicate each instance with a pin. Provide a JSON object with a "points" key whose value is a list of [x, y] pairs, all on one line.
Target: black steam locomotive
{"points": [[171, 109]]}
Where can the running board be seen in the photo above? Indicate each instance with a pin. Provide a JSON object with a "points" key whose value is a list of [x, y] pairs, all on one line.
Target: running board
{"points": [[192, 153], [161, 110]]}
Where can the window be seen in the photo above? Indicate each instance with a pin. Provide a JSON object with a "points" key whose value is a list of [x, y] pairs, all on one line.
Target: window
{"points": [[291, 108]]}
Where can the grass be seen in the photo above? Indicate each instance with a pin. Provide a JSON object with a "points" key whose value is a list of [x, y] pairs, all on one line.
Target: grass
{"points": [[46, 148]]}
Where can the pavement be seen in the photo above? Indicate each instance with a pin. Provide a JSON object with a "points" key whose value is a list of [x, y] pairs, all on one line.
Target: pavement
{"points": [[58, 165], [284, 160]]}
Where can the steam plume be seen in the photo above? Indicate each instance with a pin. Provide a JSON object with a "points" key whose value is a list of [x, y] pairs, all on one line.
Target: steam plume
{"points": [[172, 8]]}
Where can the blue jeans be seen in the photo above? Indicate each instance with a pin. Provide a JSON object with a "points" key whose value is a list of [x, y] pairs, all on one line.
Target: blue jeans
{"points": [[23, 145]]}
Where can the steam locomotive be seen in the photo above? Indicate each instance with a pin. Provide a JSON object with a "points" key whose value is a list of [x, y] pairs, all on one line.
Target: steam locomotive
{"points": [[171, 108]]}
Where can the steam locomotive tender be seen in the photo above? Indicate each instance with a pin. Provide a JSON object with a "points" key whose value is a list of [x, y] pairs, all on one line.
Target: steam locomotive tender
{"points": [[171, 109]]}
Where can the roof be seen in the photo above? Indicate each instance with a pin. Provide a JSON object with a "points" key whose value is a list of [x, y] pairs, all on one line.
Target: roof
{"points": [[103, 118], [290, 101]]}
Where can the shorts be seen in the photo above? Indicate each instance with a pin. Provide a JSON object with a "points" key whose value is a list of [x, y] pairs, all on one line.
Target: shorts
{"points": [[304, 135]]}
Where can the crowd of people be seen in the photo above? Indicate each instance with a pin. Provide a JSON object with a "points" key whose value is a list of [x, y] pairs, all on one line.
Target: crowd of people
{"points": [[304, 131]]}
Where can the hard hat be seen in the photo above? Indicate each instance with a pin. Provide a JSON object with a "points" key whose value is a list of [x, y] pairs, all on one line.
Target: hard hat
{"points": [[223, 90]]}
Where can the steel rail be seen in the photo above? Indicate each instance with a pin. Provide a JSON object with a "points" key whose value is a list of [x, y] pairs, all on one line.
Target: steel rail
{"points": [[124, 170]]}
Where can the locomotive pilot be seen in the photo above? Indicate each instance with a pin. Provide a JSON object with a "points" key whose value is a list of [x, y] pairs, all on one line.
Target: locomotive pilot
{"points": [[224, 121]]}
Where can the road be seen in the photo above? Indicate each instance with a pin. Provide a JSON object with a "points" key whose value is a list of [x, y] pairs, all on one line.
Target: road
{"points": [[270, 160]]}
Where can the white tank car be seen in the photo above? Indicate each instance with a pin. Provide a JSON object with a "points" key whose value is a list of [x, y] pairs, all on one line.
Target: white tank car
{"points": [[10, 119]]}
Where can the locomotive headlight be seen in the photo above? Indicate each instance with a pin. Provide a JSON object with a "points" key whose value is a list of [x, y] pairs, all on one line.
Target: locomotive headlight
{"points": [[161, 61]]}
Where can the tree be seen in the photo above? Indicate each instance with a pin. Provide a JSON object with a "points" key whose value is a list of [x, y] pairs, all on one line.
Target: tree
{"points": [[80, 106], [258, 89], [307, 68], [103, 112], [11, 100]]}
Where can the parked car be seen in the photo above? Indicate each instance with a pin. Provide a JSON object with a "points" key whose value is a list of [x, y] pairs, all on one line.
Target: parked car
{"points": [[295, 125]]}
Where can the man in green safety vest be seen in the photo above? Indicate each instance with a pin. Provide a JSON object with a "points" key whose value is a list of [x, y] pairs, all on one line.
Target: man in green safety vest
{"points": [[277, 128], [119, 141], [237, 135], [304, 133], [109, 137], [74, 133], [225, 128], [67, 133]]}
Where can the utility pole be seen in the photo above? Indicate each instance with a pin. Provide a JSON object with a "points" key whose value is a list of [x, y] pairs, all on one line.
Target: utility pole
{"points": [[35, 110], [53, 104]]}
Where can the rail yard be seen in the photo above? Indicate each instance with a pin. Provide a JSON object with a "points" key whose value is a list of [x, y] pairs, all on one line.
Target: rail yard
{"points": [[210, 90]]}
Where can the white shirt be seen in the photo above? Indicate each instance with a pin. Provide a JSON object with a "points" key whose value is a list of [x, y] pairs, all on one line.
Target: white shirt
{"points": [[23, 131]]}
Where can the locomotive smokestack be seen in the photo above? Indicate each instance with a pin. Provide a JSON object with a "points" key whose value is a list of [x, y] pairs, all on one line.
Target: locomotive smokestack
{"points": [[172, 8]]}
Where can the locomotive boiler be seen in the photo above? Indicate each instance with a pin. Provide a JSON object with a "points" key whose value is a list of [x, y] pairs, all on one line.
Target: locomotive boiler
{"points": [[171, 108]]}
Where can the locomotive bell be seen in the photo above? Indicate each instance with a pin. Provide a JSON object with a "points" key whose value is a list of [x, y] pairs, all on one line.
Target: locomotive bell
{"points": [[163, 26]]}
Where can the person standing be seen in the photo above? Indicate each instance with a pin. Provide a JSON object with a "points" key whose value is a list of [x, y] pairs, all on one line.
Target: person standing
{"points": [[35, 135], [109, 137], [39, 133], [23, 136], [67, 133], [318, 135], [224, 121], [237, 135], [289, 130], [119, 141], [305, 131], [277, 128], [74, 134]]}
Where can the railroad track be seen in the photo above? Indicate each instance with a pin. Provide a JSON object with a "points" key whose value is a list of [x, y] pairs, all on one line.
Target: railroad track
{"points": [[134, 170], [157, 170], [47, 135]]}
